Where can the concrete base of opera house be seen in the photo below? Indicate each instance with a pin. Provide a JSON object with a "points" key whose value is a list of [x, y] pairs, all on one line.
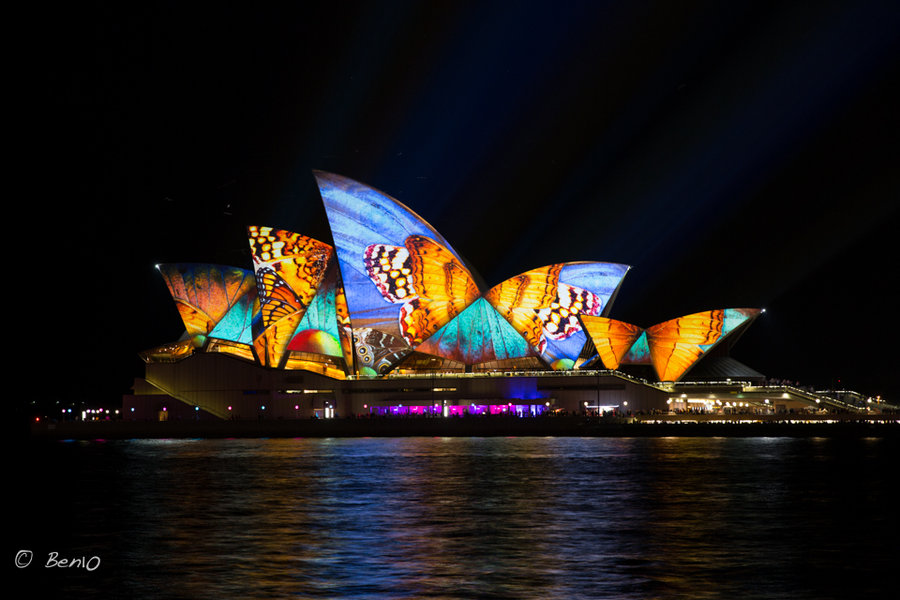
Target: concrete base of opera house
{"points": [[217, 386], [219, 393]]}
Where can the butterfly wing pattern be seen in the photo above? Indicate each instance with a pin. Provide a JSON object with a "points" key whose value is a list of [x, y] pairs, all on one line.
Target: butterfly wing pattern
{"points": [[544, 305], [318, 330], [520, 300], [672, 347], [612, 339], [204, 294], [345, 327], [478, 335], [398, 287], [289, 268], [401, 277], [432, 286], [675, 345], [236, 325], [376, 352]]}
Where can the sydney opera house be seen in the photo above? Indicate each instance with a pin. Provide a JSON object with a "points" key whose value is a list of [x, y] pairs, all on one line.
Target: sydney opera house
{"points": [[391, 321]]}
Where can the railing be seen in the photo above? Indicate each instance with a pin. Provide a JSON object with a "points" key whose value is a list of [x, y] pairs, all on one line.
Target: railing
{"points": [[495, 374], [817, 397]]}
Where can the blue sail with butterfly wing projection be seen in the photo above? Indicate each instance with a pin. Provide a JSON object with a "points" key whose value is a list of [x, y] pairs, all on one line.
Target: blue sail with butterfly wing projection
{"points": [[402, 280], [544, 304], [584, 288]]}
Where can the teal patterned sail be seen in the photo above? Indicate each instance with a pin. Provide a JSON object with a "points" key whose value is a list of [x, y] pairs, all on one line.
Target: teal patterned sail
{"points": [[479, 334]]}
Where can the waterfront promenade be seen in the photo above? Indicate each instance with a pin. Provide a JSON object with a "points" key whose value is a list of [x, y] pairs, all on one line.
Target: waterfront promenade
{"points": [[561, 426]]}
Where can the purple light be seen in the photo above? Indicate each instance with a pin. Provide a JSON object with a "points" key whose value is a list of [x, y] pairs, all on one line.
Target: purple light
{"points": [[522, 410]]}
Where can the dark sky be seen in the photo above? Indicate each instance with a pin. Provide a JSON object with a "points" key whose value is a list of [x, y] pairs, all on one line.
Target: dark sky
{"points": [[736, 154]]}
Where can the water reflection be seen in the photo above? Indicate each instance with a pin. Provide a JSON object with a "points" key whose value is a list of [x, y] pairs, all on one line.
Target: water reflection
{"points": [[481, 517]]}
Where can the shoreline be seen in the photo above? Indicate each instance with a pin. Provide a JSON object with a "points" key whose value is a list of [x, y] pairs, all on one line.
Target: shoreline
{"points": [[663, 426]]}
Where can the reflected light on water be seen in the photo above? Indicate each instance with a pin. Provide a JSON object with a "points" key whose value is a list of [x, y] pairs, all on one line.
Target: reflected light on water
{"points": [[478, 517]]}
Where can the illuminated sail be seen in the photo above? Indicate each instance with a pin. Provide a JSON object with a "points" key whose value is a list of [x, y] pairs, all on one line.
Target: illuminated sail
{"points": [[401, 277], [204, 294], [544, 304], [672, 347], [289, 268]]}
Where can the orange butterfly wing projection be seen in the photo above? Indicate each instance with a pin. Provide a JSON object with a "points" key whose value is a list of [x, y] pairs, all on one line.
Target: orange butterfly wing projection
{"points": [[519, 299], [612, 339], [271, 346], [204, 294], [197, 323], [427, 278], [345, 330], [675, 344], [289, 268], [277, 298]]}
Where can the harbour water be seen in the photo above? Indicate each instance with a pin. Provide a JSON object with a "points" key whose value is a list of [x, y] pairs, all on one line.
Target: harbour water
{"points": [[526, 517]]}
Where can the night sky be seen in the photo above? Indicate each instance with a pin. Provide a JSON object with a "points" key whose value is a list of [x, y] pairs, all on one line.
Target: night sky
{"points": [[735, 154]]}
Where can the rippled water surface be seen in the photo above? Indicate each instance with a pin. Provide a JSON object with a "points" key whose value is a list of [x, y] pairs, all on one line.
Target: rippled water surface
{"points": [[463, 518]]}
